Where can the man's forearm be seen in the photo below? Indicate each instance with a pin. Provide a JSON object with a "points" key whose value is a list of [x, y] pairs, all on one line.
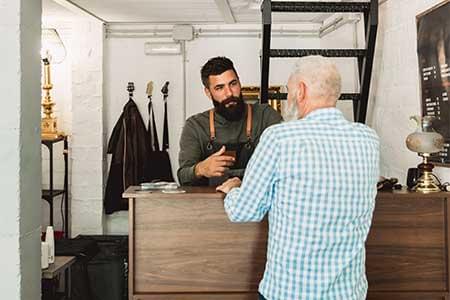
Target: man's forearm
{"points": [[187, 175]]}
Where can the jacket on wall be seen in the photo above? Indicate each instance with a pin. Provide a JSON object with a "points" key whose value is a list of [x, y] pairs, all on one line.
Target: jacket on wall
{"points": [[130, 154]]}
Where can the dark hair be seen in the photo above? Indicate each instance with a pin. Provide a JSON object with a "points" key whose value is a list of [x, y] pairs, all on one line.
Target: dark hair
{"points": [[216, 66]]}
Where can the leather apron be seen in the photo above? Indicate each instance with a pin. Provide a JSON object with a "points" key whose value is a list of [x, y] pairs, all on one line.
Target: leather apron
{"points": [[243, 151]]}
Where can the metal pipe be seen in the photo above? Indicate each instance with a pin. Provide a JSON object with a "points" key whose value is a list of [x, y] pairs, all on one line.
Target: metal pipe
{"points": [[333, 26], [183, 105], [138, 36], [164, 33]]}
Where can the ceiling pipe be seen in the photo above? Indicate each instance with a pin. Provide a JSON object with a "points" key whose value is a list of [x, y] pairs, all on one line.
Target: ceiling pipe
{"points": [[78, 9], [225, 10]]}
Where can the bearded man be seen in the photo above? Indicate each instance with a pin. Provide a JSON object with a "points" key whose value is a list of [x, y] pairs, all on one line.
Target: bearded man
{"points": [[218, 143]]}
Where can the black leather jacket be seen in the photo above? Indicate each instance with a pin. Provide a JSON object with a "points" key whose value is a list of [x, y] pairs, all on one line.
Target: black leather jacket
{"points": [[130, 154]]}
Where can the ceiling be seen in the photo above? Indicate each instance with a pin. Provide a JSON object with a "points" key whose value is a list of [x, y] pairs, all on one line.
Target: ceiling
{"points": [[173, 11]]}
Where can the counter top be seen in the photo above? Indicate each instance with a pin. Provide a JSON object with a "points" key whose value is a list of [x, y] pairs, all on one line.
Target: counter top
{"points": [[136, 192]]}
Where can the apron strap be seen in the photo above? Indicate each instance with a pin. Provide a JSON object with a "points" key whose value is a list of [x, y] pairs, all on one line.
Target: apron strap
{"points": [[249, 122], [212, 128]]}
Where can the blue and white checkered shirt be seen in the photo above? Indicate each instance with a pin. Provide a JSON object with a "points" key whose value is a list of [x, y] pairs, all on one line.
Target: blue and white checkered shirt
{"points": [[317, 179]]}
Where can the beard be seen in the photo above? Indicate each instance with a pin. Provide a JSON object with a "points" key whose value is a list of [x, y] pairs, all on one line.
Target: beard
{"points": [[289, 112], [235, 109]]}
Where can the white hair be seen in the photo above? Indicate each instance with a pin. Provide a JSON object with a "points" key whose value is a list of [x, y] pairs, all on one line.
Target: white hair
{"points": [[320, 75]]}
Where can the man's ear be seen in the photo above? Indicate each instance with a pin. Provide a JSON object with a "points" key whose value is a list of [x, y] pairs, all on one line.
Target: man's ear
{"points": [[207, 92], [301, 92]]}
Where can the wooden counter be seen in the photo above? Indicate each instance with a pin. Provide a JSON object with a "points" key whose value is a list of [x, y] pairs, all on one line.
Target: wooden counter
{"points": [[182, 247]]}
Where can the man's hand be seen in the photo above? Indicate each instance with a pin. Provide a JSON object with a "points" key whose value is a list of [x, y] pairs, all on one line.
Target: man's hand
{"points": [[214, 166], [228, 185]]}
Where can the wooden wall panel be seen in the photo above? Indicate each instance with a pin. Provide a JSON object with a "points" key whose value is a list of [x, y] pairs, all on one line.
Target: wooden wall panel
{"points": [[406, 296], [194, 296], [190, 246], [406, 246]]}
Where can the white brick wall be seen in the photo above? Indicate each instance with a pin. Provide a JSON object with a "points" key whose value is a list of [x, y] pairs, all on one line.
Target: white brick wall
{"points": [[396, 93], [20, 173], [87, 148], [77, 93]]}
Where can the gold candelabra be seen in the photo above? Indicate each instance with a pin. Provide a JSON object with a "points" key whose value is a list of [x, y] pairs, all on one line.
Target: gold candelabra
{"points": [[49, 128]]}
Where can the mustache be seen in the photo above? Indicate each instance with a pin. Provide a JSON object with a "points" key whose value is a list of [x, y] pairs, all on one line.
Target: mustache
{"points": [[231, 99]]}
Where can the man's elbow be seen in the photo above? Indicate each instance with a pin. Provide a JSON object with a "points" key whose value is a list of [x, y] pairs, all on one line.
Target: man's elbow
{"points": [[237, 217]]}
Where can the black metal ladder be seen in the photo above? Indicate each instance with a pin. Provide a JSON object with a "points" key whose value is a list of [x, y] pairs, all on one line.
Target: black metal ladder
{"points": [[364, 56]]}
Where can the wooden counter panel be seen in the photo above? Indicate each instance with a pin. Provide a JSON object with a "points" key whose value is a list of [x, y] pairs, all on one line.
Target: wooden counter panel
{"points": [[409, 223], [405, 296], [406, 246], [406, 269], [410, 237], [191, 246], [405, 212], [233, 296]]}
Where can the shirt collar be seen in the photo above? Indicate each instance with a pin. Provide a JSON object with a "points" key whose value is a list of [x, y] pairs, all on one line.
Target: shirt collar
{"points": [[324, 114]]}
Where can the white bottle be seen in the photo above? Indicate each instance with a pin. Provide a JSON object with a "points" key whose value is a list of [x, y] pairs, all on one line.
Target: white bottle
{"points": [[44, 255], [50, 240]]}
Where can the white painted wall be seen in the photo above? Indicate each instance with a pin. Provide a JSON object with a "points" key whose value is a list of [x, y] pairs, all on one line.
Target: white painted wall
{"points": [[125, 61], [20, 174]]}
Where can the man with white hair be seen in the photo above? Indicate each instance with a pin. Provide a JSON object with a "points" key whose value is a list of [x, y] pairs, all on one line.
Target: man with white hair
{"points": [[315, 175]]}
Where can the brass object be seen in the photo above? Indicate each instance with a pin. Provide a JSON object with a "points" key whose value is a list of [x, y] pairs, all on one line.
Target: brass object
{"points": [[49, 128], [250, 94], [275, 104], [425, 141], [426, 183]]}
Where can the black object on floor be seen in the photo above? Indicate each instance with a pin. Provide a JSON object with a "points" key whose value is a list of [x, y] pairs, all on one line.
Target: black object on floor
{"points": [[84, 250], [108, 269]]}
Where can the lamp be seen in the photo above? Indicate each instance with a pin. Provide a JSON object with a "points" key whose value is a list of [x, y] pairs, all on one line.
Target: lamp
{"points": [[52, 51], [425, 141]]}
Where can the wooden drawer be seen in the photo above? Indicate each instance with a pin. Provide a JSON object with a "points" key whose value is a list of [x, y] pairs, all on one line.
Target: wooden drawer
{"points": [[406, 246], [406, 296], [231, 296]]}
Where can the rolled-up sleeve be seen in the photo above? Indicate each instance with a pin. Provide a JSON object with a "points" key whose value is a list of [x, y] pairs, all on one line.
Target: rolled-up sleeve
{"points": [[251, 201], [189, 156]]}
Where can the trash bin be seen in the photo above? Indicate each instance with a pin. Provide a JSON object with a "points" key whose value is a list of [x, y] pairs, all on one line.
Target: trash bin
{"points": [[84, 251], [108, 269]]}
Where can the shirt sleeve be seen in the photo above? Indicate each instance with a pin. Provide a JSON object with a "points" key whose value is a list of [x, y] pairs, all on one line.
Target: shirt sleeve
{"points": [[189, 156], [251, 201]]}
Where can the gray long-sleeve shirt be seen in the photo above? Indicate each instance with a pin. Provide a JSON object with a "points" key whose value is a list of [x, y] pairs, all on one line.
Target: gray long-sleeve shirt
{"points": [[196, 135]]}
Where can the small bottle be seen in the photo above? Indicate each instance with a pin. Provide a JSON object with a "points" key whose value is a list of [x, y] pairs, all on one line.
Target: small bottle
{"points": [[50, 240], [44, 255]]}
